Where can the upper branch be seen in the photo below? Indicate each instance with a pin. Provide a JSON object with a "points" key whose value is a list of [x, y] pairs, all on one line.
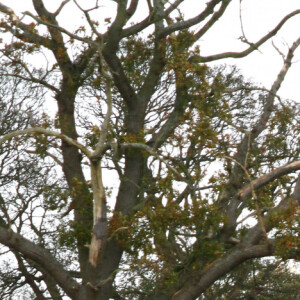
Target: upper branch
{"points": [[113, 35], [215, 17], [149, 20], [57, 12], [100, 147], [27, 33], [111, 44], [61, 29], [157, 64], [196, 20], [59, 49], [268, 106], [8, 11], [132, 8], [251, 48], [173, 121], [260, 125]]}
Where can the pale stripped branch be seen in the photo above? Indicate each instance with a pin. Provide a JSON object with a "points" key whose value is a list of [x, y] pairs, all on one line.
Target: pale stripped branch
{"points": [[39, 130]]}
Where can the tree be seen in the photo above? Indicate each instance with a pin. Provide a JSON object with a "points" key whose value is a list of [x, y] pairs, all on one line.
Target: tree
{"points": [[206, 162]]}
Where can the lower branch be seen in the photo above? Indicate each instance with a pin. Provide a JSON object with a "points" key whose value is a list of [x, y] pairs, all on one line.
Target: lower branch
{"points": [[42, 257], [196, 286]]}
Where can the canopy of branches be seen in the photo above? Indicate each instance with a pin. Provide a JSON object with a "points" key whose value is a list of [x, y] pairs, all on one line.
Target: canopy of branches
{"points": [[131, 168]]}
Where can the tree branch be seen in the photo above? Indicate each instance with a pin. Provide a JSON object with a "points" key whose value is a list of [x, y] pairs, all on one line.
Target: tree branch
{"points": [[265, 179], [28, 34], [132, 8], [29, 277], [149, 20], [173, 121], [41, 257], [243, 148], [215, 17], [156, 66], [61, 29], [153, 152], [38, 130], [196, 20], [252, 47], [104, 127], [62, 5], [59, 48], [8, 11], [194, 288]]}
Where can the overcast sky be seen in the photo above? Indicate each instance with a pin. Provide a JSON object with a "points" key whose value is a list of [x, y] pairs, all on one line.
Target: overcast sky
{"points": [[259, 17]]}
